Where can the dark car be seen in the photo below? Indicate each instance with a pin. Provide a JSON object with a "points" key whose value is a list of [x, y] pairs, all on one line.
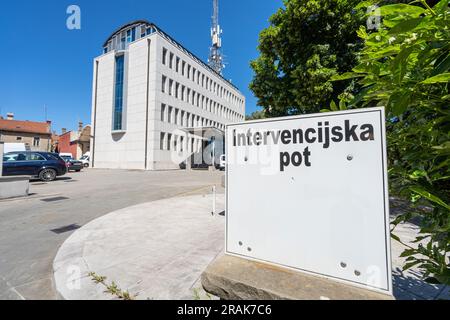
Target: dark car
{"points": [[72, 164], [44, 165]]}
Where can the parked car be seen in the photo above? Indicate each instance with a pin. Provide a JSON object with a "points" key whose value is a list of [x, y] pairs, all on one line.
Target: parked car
{"points": [[72, 164], [63, 154], [85, 160], [222, 163], [44, 165]]}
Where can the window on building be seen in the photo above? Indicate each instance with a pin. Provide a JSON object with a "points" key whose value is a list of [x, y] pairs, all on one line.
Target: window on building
{"points": [[171, 87], [181, 143], [188, 117], [18, 138], [163, 84], [176, 116], [175, 140], [171, 60], [164, 56], [188, 99], [118, 93], [115, 42], [131, 35], [143, 31], [169, 117], [182, 93], [169, 141], [183, 65], [163, 112], [182, 118], [189, 71], [36, 141], [177, 64], [161, 141], [177, 88], [194, 72], [123, 41]]}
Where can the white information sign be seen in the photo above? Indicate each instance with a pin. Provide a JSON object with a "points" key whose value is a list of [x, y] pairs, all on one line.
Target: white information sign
{"points": [[310, 193]]}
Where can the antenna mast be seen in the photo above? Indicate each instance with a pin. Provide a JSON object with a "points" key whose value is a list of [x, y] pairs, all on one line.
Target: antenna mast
{"points": [[215, 59]]}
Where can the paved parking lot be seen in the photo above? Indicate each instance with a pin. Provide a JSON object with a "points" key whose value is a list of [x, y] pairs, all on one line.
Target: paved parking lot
{"points": [[32, 229]]}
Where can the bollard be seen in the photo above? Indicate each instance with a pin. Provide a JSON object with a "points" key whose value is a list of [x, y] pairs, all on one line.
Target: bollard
{"points": [[2, 146], [214, 200]]}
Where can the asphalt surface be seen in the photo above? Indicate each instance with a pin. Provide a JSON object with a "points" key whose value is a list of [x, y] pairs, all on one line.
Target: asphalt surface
{"points": [[32, 229]]}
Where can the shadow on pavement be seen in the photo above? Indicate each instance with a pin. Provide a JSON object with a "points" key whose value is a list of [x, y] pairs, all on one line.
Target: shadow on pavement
{"points": [[411, 287]]}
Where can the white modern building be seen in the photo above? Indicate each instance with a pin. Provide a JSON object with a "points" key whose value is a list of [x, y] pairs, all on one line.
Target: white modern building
{"points": [[149, 96]]}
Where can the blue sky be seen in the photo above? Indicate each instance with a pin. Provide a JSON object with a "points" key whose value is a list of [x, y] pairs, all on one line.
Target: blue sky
{"points": [[45, 64]]}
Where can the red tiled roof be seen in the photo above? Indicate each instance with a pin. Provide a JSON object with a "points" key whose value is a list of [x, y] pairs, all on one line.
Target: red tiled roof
{"points": [[25, 126]]}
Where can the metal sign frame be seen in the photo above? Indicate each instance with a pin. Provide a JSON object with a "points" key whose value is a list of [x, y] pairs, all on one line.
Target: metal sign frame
{"points": [[386, 288]]}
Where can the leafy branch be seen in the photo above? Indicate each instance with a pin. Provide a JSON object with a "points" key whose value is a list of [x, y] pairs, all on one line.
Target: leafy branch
{"points": [[404, 66]]}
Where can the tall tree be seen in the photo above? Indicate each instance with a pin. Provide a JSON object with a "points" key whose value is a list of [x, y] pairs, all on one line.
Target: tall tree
{"points": [[307, 43]]}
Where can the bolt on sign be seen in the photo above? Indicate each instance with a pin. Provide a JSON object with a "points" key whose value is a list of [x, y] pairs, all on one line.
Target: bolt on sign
{"points": [[310, 193]]}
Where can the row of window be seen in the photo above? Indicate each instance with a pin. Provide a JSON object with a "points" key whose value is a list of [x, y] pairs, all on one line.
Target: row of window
{"points": [[182, 118], [121, 40], [36, 141], [169, 141], [188, 95], [185, 69]]}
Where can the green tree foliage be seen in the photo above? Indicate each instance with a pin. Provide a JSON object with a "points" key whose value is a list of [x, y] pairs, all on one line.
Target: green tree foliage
{"points": [[404, 66], [256, 115], [307, 43]]}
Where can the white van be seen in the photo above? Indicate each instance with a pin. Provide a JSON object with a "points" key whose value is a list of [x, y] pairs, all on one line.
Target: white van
{"points": [[14, 147], [62, 154], [85, 159]]}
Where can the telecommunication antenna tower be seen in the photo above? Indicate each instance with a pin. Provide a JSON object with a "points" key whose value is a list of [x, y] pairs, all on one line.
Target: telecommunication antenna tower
{"points": [[215, 59]]}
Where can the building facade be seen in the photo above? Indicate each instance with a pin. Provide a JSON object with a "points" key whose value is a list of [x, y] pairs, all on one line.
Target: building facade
{"points": [[36, 136], [77, 142], [149, 92]]}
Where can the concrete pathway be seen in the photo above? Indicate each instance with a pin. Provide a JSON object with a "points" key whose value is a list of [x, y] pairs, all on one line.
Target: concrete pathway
{"points": [[158, 250], [155, 250], [32, 229]]}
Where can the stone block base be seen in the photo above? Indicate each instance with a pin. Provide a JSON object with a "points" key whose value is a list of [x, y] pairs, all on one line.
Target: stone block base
{"points": [[13, 187], [232, 278]]}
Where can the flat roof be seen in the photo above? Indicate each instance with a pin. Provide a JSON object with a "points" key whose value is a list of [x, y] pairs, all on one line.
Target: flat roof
{"points": [[175, 42]]}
